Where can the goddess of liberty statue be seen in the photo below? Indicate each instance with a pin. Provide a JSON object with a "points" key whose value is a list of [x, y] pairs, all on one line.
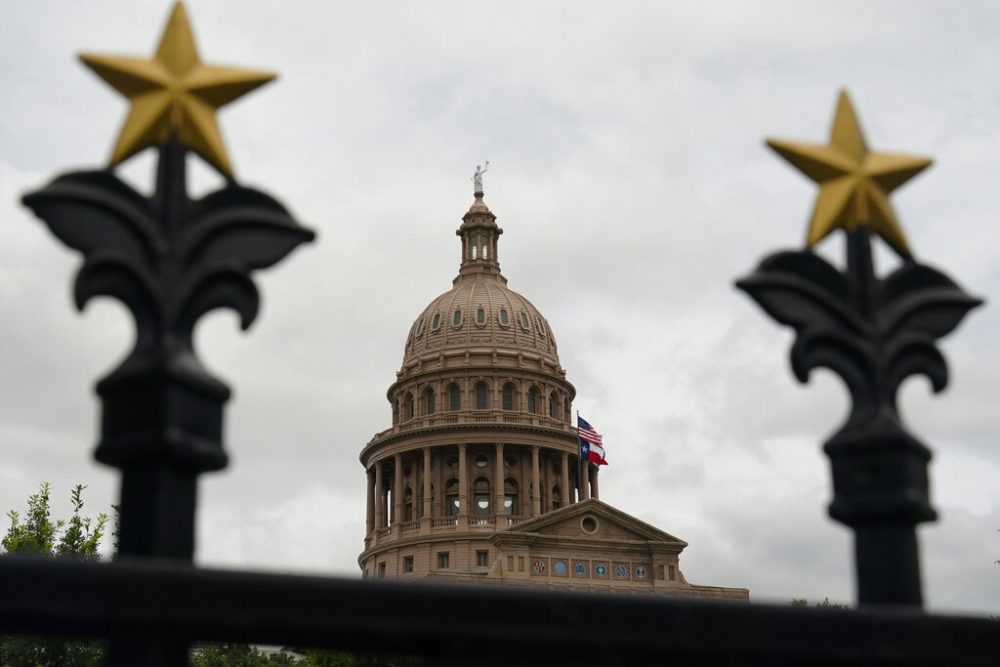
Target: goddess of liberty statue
{"points": [[477, 179]]}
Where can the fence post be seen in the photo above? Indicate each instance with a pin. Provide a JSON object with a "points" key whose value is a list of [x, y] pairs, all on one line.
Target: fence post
{"points": [[874, 332], [170, 259]]}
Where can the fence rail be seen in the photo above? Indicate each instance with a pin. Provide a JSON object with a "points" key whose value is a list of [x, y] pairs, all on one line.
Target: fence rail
{"points": [[165, 600]]}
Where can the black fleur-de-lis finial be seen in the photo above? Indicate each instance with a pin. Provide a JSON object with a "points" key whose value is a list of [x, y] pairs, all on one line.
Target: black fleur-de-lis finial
{"points": [[874, 332], [170, 259]]}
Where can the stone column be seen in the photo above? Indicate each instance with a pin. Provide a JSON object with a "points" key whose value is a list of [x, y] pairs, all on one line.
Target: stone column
{"points": [[536, 500], [585, 481], [370, 503], [566, 493], [397, 492], [428, 511], [463, 488], [498, 493], [594, 491], [379, 505]]}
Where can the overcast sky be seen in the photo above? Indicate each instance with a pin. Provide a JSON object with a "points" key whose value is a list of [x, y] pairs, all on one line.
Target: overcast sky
{"points": [[629, 173]]}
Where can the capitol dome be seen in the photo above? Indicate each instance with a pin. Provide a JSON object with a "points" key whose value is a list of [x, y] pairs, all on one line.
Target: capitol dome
{"points": [[480, 312], [481, 477]]}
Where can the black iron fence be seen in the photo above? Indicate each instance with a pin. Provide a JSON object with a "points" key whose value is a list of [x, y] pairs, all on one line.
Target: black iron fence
{"points": [[171, 259]]}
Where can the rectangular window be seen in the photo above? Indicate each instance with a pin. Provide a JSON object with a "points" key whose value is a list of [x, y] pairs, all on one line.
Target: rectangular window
{"points": [[482, 558], [670, 572], [443, 560], [510, 563], [408, 564], [520, 563], [381, 570]]}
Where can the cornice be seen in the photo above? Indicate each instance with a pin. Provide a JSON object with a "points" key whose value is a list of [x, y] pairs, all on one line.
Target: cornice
{"points": [[470, 429]]}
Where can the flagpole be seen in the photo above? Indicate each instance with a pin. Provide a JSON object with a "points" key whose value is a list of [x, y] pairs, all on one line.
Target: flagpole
{"points": [[579, 460]]}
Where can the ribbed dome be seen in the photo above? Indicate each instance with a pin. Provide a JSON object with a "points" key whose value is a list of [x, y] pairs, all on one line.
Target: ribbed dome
{"points": [[480, 310], [487, 313]]}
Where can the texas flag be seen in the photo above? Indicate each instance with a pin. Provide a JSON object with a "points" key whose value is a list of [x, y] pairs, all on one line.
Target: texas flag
{"points": [[590, 443]]}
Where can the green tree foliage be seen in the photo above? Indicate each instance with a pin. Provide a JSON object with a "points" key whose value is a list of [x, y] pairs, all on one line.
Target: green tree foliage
{"points": [[825, 604], [37, 534], [239, 655], [342, 659]]}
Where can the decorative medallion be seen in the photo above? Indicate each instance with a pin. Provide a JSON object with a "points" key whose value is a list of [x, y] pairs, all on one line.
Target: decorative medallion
{"points": [[601, 570], [580, 568], [621, 570], [538, 566], [559, 568], [641, 572]]}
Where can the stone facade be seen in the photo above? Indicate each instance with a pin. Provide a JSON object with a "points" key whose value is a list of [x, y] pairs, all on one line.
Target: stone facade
{"points": [[478, 478]]}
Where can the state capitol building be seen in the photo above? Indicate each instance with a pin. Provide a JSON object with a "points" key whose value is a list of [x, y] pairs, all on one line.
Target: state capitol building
{"points": [[477, 478]]}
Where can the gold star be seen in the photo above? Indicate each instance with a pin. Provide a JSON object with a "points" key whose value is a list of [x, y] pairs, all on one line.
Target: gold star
{"points": [[174, 91], [854, 182]]}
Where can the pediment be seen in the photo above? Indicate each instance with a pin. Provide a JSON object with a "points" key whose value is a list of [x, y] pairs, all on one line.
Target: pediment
{"points": [[593, 520]]}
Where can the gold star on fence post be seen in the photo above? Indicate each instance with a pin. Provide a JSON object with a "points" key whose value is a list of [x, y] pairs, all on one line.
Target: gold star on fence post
{"points": [[174, 92], [854, 182]]}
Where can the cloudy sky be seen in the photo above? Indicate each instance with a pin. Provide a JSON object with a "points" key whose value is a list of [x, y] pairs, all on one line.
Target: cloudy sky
{"points": [[629, 173]]}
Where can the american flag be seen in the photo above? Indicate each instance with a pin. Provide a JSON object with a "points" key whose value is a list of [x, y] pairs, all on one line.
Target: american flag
{"points": [[587, 431]]}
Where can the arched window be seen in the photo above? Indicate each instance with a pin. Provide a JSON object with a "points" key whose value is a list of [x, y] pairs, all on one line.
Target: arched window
{"points": [[504, 317], [481, 496], [408, 407], [508, 396], [525, 322], [480, 316], [553, 405], [420, 328], [510, 496], [556, 497], [451, 497], [454, 397], [456, 318], [533, 400], [436, 321], [407, 504], [429, 402], [482, 395]]}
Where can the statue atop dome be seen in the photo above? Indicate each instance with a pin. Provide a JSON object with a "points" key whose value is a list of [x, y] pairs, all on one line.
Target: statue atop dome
{"points": [[477, 179]]}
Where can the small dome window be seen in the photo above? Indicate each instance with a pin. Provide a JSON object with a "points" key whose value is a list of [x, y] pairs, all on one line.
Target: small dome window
{"points": [[456, 318], [482, 461], [481, 316], [508, 396], [541, 326], [525, 322], [436, 322], [533, 400], [504, 317], [420, 328]]}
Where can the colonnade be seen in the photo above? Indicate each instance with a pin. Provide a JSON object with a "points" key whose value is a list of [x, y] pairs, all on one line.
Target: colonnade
{"points": [[383, 513]]}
